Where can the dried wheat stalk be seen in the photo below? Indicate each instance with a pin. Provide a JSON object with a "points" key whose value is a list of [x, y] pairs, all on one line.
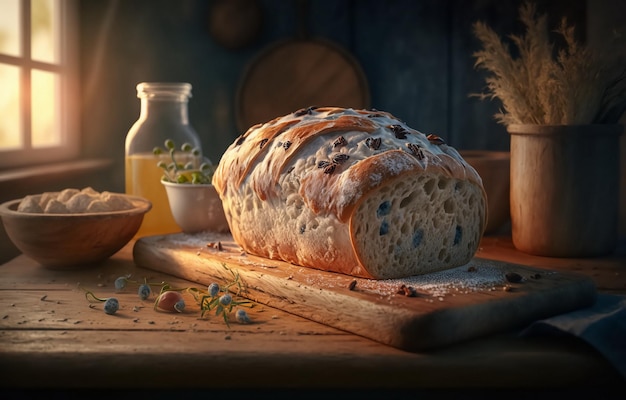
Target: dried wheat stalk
{"points": [[578, 86]]}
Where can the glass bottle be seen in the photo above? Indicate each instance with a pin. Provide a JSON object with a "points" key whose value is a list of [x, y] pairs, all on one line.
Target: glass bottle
{"points": [[163, 116]]}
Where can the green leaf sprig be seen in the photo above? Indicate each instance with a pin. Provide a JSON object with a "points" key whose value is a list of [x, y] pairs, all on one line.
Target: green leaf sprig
{"points": [[218, 298], [194, 170]]}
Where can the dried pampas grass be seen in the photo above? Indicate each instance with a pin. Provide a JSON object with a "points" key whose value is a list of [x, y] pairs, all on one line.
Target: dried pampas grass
{"points": [[577, 86]]}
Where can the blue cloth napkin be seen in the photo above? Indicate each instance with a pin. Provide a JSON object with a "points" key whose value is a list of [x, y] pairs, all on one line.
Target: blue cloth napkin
{"points": [[602, 325]]}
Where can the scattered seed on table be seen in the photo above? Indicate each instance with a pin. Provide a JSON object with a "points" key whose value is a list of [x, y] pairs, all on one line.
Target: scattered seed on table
{"points": [[513, 277], [408, 291]]}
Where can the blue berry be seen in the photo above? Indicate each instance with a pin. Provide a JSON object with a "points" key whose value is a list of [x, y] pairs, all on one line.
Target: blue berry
{"points": [[180, 305], [120, 283], [144, 291], [384, 228], [242, 316], [417, 238], [458, 234], [214, 289], [226, 299], [111, 305], [383, 209]]}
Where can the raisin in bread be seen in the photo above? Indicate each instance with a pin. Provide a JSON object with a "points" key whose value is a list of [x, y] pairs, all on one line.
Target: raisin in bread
{"points": [[351, 191]]}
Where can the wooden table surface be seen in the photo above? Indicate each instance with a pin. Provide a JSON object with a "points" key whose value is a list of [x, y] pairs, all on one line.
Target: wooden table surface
{"points": [[52, 337]]}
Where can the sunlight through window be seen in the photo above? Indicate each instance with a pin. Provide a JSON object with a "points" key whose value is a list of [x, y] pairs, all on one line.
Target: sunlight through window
{"points": [[10, 29], [44, 98], [37, 75], [10, 123], [45, 31]]}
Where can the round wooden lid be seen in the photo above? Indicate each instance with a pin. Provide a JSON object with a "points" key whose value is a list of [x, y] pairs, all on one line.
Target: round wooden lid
{"points": [[298, 73]]}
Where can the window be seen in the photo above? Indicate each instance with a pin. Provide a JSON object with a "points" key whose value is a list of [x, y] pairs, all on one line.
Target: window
{"points": [[38, 82]]}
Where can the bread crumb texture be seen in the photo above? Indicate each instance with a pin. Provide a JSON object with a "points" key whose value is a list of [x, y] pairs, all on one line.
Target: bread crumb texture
{"points": [[351, 191]]}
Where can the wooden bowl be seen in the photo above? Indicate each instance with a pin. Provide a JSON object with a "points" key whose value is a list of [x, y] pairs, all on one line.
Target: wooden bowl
{"points": [[72, 241], [494, 169]]}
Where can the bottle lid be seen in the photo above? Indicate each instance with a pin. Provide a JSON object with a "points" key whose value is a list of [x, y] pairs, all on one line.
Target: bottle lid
{"points": [[164, 90]]}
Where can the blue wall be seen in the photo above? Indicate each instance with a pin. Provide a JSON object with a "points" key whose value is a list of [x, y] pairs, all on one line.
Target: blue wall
{"points": [[416, 56]]}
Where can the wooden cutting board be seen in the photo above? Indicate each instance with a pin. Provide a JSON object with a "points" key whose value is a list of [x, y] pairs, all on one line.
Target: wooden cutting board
{"points": [[449, 307]]}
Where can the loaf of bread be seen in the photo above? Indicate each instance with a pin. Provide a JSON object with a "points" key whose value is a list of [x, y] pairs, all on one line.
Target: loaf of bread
{"points": [[351, 191]]}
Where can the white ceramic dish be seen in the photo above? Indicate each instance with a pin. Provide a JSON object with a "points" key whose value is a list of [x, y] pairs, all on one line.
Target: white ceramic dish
{"points": [[196, 207]]}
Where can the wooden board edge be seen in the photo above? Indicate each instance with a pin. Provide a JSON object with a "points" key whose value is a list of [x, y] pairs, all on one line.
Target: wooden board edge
{"points": [[574, 295], [395, 326]]}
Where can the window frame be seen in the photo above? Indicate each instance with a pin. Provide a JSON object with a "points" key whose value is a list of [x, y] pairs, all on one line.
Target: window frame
{"points": [[68, 69]]}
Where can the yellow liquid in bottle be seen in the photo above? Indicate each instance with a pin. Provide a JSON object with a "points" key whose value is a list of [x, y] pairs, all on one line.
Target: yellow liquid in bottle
{"points": [[143, 178]]}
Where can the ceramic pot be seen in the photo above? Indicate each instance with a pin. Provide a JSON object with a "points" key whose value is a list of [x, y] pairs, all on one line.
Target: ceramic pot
{"points": [[494, 170], [565, 189], [196, 207]]}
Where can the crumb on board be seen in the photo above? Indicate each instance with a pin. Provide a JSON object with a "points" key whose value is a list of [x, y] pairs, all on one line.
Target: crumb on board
{"points": [[456, 280], [460, 280]]}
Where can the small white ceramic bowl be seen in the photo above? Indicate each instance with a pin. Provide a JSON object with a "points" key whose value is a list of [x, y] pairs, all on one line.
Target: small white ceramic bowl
{"points": [[196, 207]]}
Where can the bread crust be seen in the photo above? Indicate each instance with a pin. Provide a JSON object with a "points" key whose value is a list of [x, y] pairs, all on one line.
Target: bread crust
{"points": [[316, 166]]}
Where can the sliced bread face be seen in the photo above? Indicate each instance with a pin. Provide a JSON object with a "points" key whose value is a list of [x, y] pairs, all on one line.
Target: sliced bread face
{"points": [[419, 224]]}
